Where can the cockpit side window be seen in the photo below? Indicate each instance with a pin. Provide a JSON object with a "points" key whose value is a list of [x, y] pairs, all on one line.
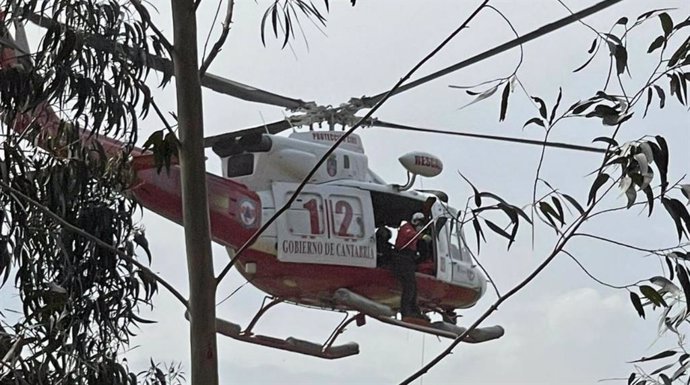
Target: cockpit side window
{"points": [[240, 165], [456, 246]]}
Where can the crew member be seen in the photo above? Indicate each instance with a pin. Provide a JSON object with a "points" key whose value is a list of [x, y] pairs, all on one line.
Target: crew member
{"points": [[384, 248], [405, 265]]}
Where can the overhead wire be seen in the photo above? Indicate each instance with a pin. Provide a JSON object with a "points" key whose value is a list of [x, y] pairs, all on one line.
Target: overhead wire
{"points": [[567, 146]]}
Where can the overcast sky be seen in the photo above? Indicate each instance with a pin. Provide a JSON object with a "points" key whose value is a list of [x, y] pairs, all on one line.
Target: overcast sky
{"points": [[563, 328]]}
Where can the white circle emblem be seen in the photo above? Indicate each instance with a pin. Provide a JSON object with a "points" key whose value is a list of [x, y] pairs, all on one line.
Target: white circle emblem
{"points": [[248, 213]]}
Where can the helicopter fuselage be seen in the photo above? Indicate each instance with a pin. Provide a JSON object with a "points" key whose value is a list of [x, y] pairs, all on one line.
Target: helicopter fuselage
{"points": [[326, 239]]}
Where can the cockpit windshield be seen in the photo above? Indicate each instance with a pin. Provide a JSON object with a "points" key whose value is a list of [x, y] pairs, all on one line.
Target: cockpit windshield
{"points": [[456, 238]]}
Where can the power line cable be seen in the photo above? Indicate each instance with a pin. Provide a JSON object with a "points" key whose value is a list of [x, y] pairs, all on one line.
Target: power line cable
{"points": [[567, 146]]}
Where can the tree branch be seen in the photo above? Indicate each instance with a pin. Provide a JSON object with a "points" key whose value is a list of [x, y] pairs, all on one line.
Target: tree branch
{"points": [[221, 40], [495, 305], [501, 48], [618, 243], [595, 278], [488, 276], [165, 121], [565, 237], [92, 238], [342, 138]]}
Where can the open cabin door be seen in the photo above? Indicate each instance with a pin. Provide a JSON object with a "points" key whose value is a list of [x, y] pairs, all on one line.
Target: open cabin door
{"points": [[326, 225], [454, 263]]}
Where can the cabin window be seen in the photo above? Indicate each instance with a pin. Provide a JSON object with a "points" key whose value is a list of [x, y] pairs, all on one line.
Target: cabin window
{"points": [[346, 162], [305, 216], [240, 165], [346, 216]]}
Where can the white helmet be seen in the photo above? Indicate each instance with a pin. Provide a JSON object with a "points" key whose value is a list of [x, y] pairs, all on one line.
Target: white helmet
{"points": [[417, 218]]}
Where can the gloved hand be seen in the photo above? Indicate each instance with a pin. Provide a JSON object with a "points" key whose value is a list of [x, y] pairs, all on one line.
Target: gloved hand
{"points": [[426, 238]]}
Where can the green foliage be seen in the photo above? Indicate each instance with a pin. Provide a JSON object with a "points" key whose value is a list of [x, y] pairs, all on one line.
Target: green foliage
{"points": [[168, 375], [98, 85], [163, 147], [638, 169], [80, 299], [284, 14], [498, 204], [67, 233]]}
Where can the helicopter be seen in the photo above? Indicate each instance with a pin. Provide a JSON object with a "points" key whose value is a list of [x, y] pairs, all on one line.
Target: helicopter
{"points": [[322, 252]]}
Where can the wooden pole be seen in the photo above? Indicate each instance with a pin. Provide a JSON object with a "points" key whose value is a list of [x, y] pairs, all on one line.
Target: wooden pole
{"points": [[204, 361]]}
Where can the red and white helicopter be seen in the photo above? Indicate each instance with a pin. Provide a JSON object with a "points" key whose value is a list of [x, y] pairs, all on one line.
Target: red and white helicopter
{"points": [[322, 251]]}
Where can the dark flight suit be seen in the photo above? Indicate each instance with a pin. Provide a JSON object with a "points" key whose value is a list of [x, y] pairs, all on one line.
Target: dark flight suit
{"points": [[404, 267]]}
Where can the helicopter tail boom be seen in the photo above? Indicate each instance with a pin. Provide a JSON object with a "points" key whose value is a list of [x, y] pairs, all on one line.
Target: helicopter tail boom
{"points": [[235, 211]]}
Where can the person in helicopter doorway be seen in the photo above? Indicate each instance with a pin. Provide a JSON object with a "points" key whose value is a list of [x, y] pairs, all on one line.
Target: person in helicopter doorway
{"points": [[405, 264], [384, 248]]}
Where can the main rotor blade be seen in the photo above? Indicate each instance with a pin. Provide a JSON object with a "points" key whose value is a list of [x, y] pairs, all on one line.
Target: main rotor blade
{"points": [[551, 27], [248, 93], [566, 146], [213, 82], [271, 128]]}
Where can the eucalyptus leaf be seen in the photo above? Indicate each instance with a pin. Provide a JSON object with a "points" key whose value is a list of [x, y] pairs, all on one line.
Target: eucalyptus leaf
{"points": [[631, 195], [646, 149], [598, 182], [657, 43], [685, 189], [666, 23], [484, 95], [682, 274], [504, 102], [653, 295], [637, 303], [665, 285], [574, 203], [542, 106], [537, 121], [658, 356]]}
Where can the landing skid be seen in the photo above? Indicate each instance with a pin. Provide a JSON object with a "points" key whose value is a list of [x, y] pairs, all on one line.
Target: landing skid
{"points": [[365, 307], [441, 328], [448, 330], [326, 350]]}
